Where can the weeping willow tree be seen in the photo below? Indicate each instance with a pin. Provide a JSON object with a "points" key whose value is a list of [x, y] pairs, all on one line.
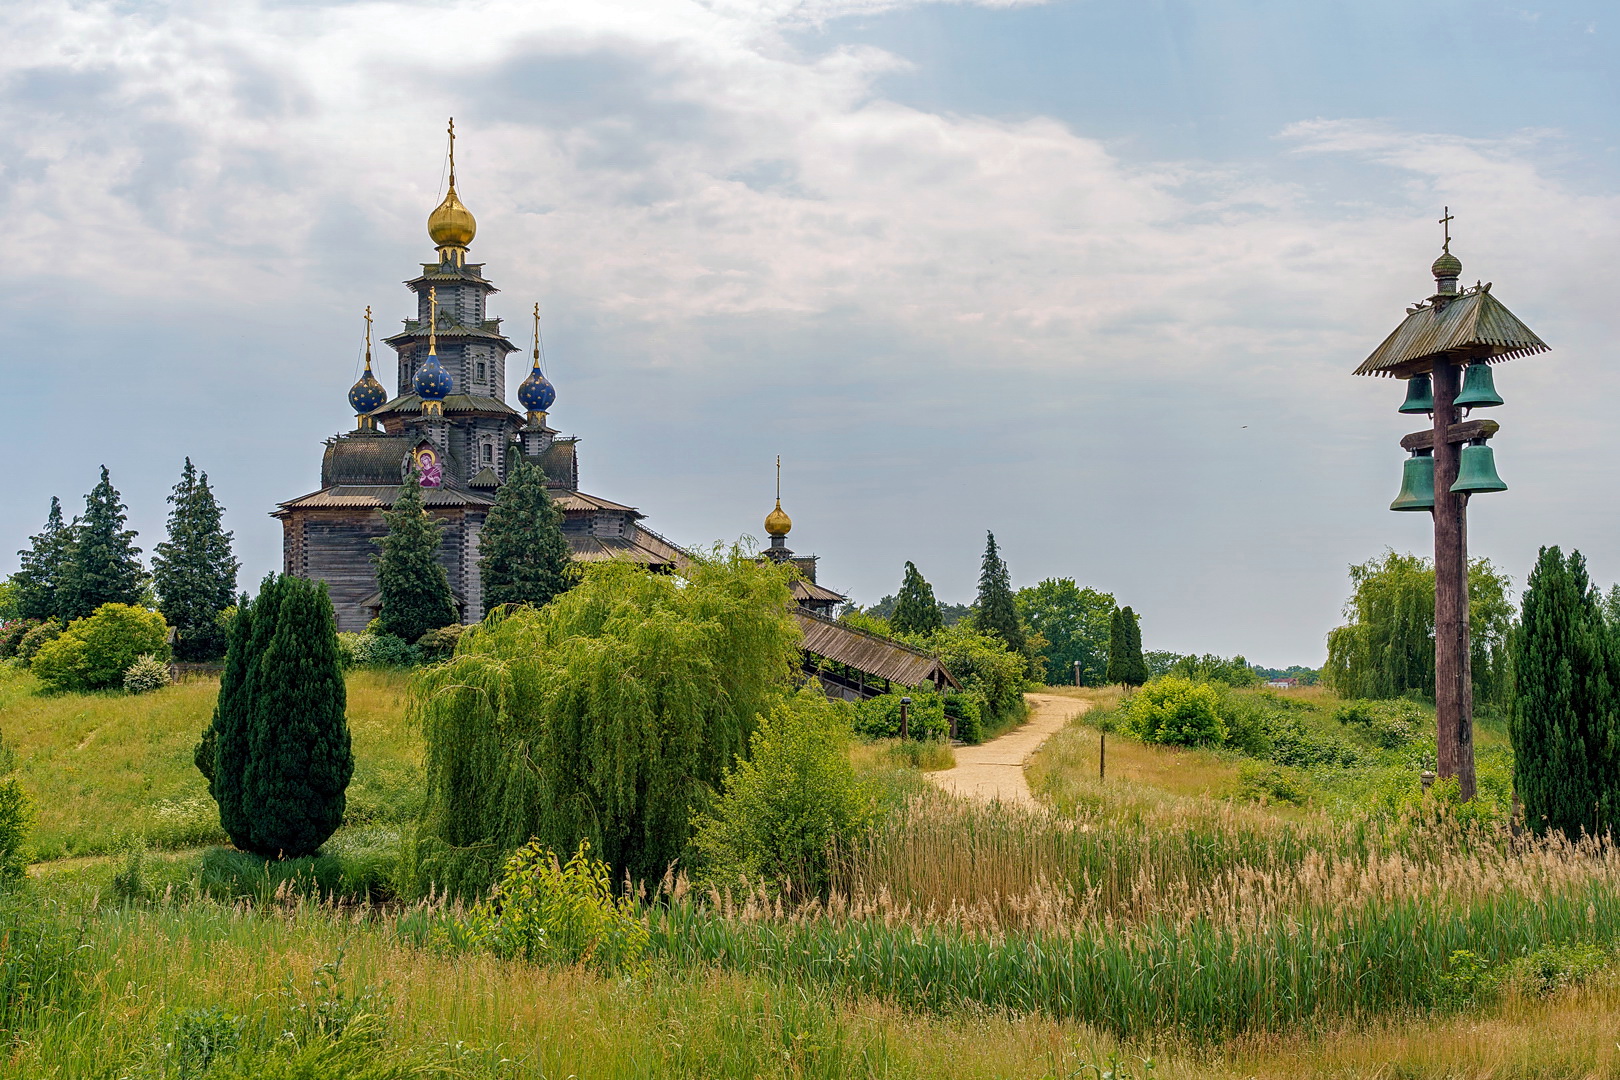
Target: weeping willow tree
{"points": [[1387, 647], [610, 714]]}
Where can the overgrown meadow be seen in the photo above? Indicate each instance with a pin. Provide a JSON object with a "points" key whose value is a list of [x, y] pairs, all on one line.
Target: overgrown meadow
{"points": [[1174, 919]]}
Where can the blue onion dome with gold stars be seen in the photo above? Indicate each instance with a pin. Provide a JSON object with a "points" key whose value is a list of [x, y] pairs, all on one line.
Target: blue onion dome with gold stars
{"points": [[431, 382], [367, 394], [536, 392]]}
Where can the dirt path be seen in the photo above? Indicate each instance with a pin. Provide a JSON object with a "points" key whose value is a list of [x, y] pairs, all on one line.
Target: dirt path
{"points": [[995, 770]]}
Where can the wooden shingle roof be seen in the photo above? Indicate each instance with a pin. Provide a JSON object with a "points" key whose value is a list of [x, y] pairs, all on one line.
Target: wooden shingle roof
{"points": [[1473, 325], [880, 657]]}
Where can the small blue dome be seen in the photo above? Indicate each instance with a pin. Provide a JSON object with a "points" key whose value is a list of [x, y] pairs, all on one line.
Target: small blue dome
{"points": [[367, 394], [536, 392], [431, 382]]}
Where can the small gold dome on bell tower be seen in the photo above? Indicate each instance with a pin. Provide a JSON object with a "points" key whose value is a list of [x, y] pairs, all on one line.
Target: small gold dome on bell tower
{"points": [[777, 523], [451, 224]]}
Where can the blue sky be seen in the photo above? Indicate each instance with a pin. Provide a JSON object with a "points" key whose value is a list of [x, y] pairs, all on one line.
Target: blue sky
{"points": [[1092, 275]]}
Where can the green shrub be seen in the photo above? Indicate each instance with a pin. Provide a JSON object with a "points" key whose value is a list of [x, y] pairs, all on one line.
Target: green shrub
{"points": [[94, 652], [789, 803], [1176, 711], [35, 638], [879, 717], [146, 674], [1292, 744], [1211, 668], [983, 665], [967, 709], [1264, 783], [555, 914], [16, 818], [1555, 967], [11, 634], [441, 643], [376, 650], [1392, 724]]}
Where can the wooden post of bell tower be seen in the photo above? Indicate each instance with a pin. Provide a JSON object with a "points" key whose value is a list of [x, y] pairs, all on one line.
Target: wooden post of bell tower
{"points": [[1453, 680]]}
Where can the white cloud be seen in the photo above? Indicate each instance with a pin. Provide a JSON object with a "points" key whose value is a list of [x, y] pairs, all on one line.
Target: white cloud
{"points": [[713, 213]]}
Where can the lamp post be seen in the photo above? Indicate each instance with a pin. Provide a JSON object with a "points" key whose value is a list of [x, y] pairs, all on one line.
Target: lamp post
{"points": [[1443, 349], [1077, 673], [905, 710]]}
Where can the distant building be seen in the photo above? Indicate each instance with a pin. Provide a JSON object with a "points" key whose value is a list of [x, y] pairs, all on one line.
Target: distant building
{"points": [[1284, 682], [449, 421]]}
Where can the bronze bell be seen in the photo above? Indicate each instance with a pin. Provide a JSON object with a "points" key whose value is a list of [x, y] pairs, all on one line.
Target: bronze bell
{"points": [[1419, 395], [1478, 389], [1476, 470], [1417, 483]]}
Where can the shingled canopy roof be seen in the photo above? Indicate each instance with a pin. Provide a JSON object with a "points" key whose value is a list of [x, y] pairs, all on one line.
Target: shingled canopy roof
{"points": [[879, 657], [1472, 326]]}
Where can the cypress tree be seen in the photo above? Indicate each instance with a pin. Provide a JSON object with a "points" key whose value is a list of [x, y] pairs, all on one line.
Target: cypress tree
{"points": [[523, 556], [915, 609], [104, 566], [42, 567], [995, 612], [415, 589], [1126, 664], [1564, 721], [194, 570], [299, 762], [231, 730], [1136, 670]]}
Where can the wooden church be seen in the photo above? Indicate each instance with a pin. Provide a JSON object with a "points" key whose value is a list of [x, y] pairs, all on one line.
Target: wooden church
{"points": [[449, 420]]}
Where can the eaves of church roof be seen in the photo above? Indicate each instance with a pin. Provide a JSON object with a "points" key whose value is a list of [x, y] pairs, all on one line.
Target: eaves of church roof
{"points": [[455, 403], [414, 333], [381, 497], [471, 274]]}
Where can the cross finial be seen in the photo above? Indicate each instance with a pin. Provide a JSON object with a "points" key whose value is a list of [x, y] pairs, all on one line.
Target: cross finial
{"points": [[368, 337], [537, 333], [452, 152], [433, 320], [778, 479], [1445, 223]]}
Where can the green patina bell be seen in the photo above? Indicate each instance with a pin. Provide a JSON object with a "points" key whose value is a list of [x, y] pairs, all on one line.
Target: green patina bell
{"points": [[1478, 389], [1476, 470], [1417, 482], [1419, 395]]}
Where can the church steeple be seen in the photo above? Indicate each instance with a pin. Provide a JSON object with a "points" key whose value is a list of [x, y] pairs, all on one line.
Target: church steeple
{"points": [[451, 226], [777, 523]]}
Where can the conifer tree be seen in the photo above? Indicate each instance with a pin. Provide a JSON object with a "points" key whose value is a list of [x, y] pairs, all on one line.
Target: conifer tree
{"points": [[1565, 723], [194, 570], [415, 589], [104, 566], [995, 612], [1126, 664], [915, 609], [299, 761], [43, 566], [523, 555], [226, 745]]}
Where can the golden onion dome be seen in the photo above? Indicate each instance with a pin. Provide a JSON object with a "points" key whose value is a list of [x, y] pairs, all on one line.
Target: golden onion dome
{"points": [[452, 224], [777, 523]]}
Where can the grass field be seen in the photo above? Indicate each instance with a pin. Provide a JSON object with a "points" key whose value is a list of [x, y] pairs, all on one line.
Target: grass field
{"points": [[1222, 936]]}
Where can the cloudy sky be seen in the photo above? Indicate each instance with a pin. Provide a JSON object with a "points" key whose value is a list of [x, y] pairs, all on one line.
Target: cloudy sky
{"points": [[1090, 274]]}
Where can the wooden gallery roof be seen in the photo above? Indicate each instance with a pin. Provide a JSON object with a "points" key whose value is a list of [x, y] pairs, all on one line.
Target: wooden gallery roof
{"points": [[880, 657]]}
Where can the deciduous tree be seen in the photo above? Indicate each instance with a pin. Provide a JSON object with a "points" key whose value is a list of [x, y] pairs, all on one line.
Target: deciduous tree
{"points": [[1075, 625]]}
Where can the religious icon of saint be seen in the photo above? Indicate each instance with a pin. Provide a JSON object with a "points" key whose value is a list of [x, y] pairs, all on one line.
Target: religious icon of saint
{"points": [[431, 475]]}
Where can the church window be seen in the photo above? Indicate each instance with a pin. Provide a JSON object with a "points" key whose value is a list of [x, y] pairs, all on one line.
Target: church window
{"points": [[480, 371], [489, 454]]}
